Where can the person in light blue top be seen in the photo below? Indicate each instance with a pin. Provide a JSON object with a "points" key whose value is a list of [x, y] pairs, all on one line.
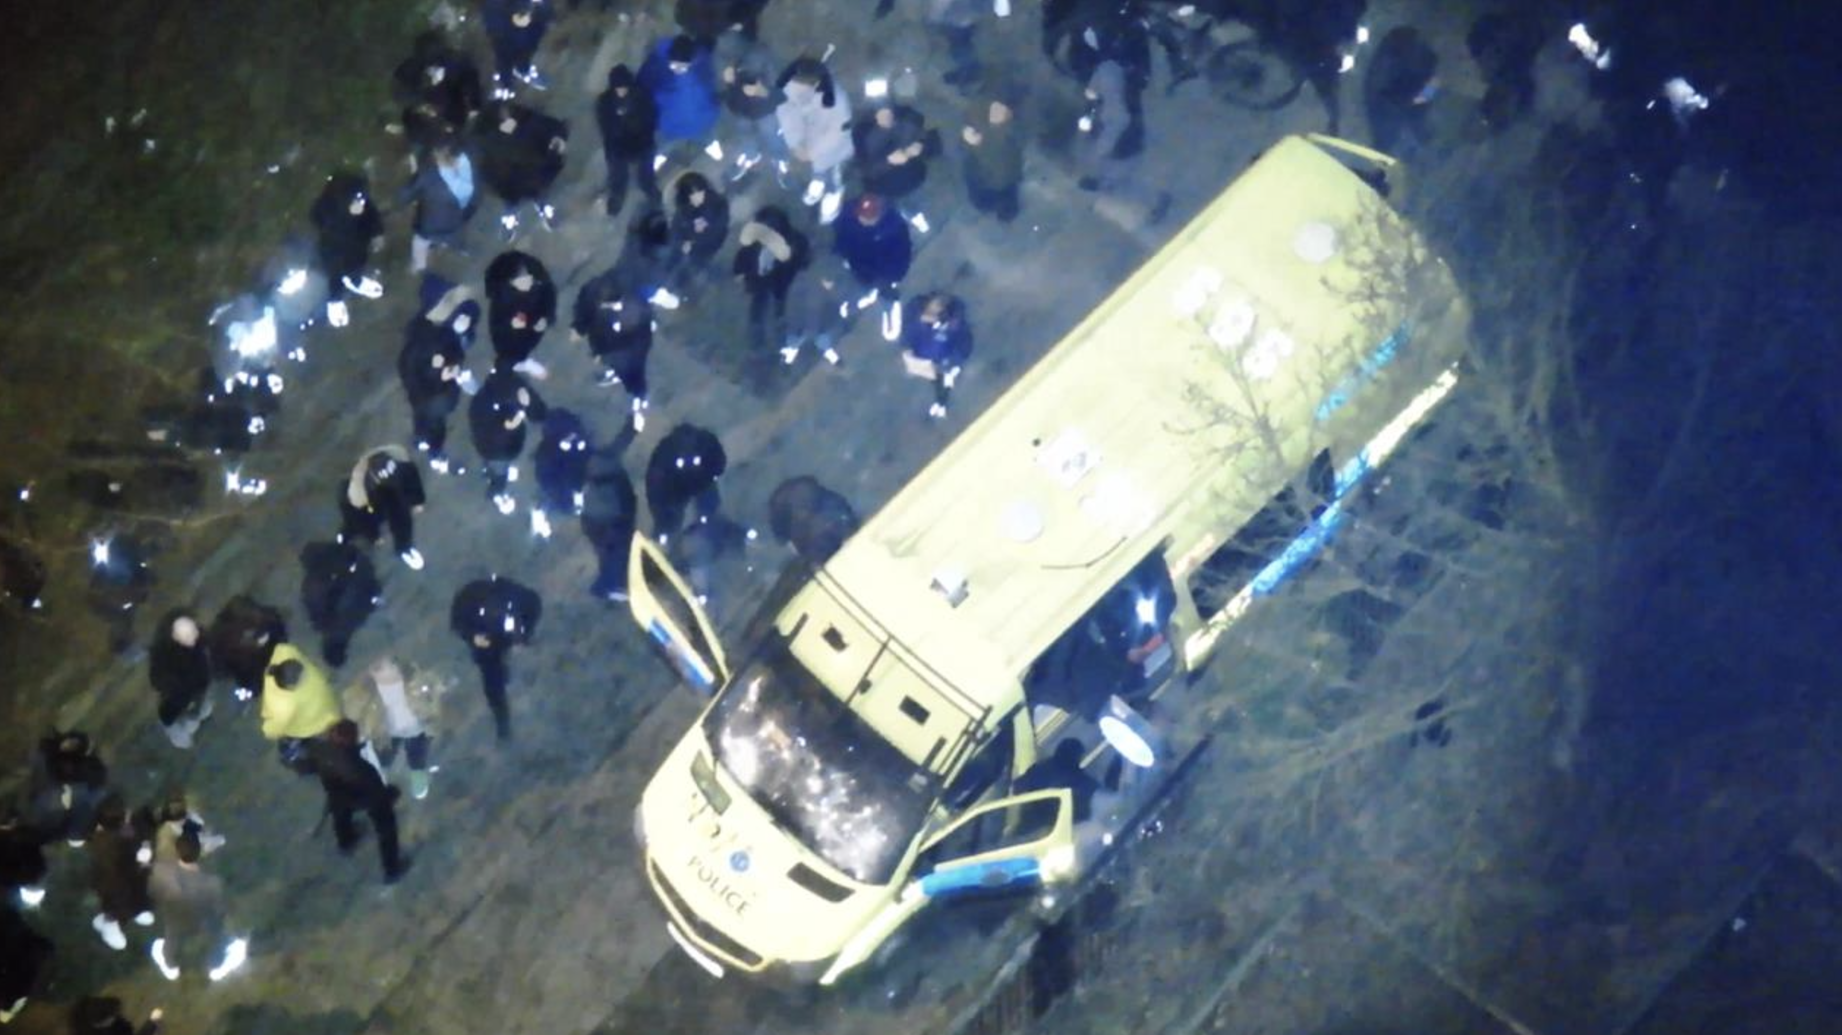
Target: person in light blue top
{"points": [[445, 197]]}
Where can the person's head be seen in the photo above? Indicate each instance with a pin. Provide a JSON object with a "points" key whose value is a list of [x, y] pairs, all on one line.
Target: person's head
{"points": [[287, 674], [620, 80], [811, 73], [188, 849], [445, 154], [937, 309], [185, 631], [999, 113], [1068, 753], [885, 116], [868, 209], [523, 279], [680, 52], [343, 733], [175, 808], [693, 190], [112, 813]]}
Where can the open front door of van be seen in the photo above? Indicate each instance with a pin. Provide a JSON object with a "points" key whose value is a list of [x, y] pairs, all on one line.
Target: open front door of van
{"points": [[663, 604]]}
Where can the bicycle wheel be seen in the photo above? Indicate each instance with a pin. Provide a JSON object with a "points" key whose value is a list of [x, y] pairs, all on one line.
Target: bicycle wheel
{"points": [[1250, 75]]}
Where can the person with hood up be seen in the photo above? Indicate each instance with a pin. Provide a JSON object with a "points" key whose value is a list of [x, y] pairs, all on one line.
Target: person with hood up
{"points": [[516, 29], [445, 196], [352, 784], [629, 121], [521, 306], [398, 709], [339, 590], [700, 226], [1395, 88], [610, 515], [562, 469], [769, 256], [179, 667], [493, 615], [815, 124], [499, 415], [994, 152], [22, 861], [243, 638], [522, 151], [172, 818], [298, 702], [432, 365], [383, 490], [937, 344], [68, 782], [748, 72], [876, 246], [811, 519], [681, 77], [893, 145], [613, 315], [348, 230], [683, 469], [194, 927], [117, 876], [438, 88]]}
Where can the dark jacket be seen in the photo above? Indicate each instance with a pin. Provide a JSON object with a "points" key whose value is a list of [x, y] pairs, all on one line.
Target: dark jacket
{"points": [[628, 121], [948, 342], [610, 508], [437, 83], [810, 518], [496, 16], [428, 354], [704, 227], [22, 856], [345, 775], [878, 254], [562, 461], [614, 316], [518, 318], [500, 609], [687, 102], [344, 239], [519, 163], [686, 462], [502, 399], [744, 64], [875, 145], [243, 636], [704, 20], [771, 253], [339, 588], [116, 876], [995, 163], [178, 672], [440, 213]]}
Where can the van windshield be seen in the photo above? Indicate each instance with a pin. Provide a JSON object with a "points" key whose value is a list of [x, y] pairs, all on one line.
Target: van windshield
{"points": [[816, 767]]}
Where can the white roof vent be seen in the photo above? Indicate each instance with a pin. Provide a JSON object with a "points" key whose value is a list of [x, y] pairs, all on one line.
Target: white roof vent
{"points": [[1194, 294], [1315, 242], [952, 584], [1021, 522], [1234, 321], [1068, 457]]}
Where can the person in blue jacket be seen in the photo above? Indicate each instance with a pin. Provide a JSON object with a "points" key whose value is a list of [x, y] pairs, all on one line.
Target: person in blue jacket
{"points": [[874, 244], [681, 77], [937, 344], [516, 29]]}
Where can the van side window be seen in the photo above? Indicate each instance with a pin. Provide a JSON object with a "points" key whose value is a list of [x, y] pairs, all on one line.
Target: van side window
{"points": [[673, 604], [1118, 647], [1265, 536], [983, 769], [1000, 828]]}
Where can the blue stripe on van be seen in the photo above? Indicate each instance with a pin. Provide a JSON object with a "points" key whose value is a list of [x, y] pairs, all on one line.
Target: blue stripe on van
{"points": [[1371, 365]]}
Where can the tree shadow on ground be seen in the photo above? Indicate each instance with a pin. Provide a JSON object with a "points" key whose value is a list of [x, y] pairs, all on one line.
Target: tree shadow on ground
{"points": [[268, 1019]]}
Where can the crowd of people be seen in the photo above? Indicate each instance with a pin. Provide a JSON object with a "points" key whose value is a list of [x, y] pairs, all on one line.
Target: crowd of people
{"points": [[732, 165]]}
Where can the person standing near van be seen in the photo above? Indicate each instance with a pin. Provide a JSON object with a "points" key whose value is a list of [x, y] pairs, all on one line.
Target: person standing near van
{"points": [[937, 344], [493, 615], [683, 470]]}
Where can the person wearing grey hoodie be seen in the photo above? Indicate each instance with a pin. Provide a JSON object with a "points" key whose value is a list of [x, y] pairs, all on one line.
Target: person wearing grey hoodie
{"points": [[815, 123]]}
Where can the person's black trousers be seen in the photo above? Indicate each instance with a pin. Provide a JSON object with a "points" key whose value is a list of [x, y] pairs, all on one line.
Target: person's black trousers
{"points": [[493, 679], [383, 822]]}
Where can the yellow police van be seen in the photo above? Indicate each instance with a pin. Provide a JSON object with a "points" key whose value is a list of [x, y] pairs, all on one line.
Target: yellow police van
{"points": [[980, 690]]}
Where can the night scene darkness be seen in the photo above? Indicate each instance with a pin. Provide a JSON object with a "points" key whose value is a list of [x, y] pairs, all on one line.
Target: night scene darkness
{"points": [[965, 517]]}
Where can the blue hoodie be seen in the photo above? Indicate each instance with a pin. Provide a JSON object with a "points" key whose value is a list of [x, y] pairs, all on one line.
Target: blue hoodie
{"points": [[687, 102]]}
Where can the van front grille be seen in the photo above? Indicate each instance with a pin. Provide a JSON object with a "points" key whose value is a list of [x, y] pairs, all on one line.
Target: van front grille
{"points": [[732, 951]]}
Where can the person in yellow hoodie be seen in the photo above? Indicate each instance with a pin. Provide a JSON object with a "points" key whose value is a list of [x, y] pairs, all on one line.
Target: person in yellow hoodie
{"points": [[298, 702]]}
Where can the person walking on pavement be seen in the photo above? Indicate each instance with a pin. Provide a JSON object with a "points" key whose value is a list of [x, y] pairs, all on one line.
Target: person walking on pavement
{"points": [[353, 784], [179, 667], [876, 246], [243, 637], [629, 121], [348, 231], [339, 591], [398, 709], [298, 702], [516, 29], [117, 875], [937, 344], [499, 415], [683, 469], [520, 307], [446, 197], [493, 615], [194, 930], [522, 152], [680, 75], [610, 514], [432, 366], [957, 21], [562, 469], [384, 490], [614, 316], [770, 255]]}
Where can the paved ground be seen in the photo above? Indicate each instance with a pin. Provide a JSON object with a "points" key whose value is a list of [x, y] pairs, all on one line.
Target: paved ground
{"points": [[526, 911]]}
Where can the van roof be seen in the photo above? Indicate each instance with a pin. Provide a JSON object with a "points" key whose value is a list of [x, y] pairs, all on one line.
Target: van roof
{"points": [[1069, 479]]}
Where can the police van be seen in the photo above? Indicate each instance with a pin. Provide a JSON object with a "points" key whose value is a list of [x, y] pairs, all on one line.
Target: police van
{"points": [[980, 689]]}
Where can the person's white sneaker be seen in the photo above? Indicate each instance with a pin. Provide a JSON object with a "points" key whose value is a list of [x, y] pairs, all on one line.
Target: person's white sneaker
{"points": [[532, 368], [540, 523], [789, 354], [664, 299], [31, 895], [110, 931], [413, 558], [7, 1015], [158, 952], [505, 503], [337, 314], [936, 411], [144, 918], [815, 190], [180, 733], [831, 356], [468, 383], [235, 955]]}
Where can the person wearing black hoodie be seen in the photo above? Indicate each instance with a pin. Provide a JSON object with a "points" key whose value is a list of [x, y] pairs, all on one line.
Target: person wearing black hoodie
{"points": [[383, 490], [521, 151], [242, 637], [893, 145], [179, 667], [432, 365], [770, 254], [610, 515], [682, 470], [439, 90], [613, 315], [700, 226], [347, 231], [498, 416], [339, 591], [521, 306], [562, 469], [516, 28], [629, 120], [493, 615]]}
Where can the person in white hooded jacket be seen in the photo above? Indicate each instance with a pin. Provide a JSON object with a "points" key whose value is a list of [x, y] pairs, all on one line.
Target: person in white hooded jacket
{"points": [[815, 123]]}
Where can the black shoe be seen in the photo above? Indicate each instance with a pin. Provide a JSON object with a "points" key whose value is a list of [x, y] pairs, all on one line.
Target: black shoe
{"points": [[348, 847], [395, 873]]}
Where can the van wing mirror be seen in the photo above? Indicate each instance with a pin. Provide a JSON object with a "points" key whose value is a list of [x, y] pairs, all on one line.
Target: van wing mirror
{"points": [[665, 608], [1022, 840]]}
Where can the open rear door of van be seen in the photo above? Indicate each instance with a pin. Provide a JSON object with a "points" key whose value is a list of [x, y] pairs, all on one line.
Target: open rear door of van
{"points": [[664, 606]]}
